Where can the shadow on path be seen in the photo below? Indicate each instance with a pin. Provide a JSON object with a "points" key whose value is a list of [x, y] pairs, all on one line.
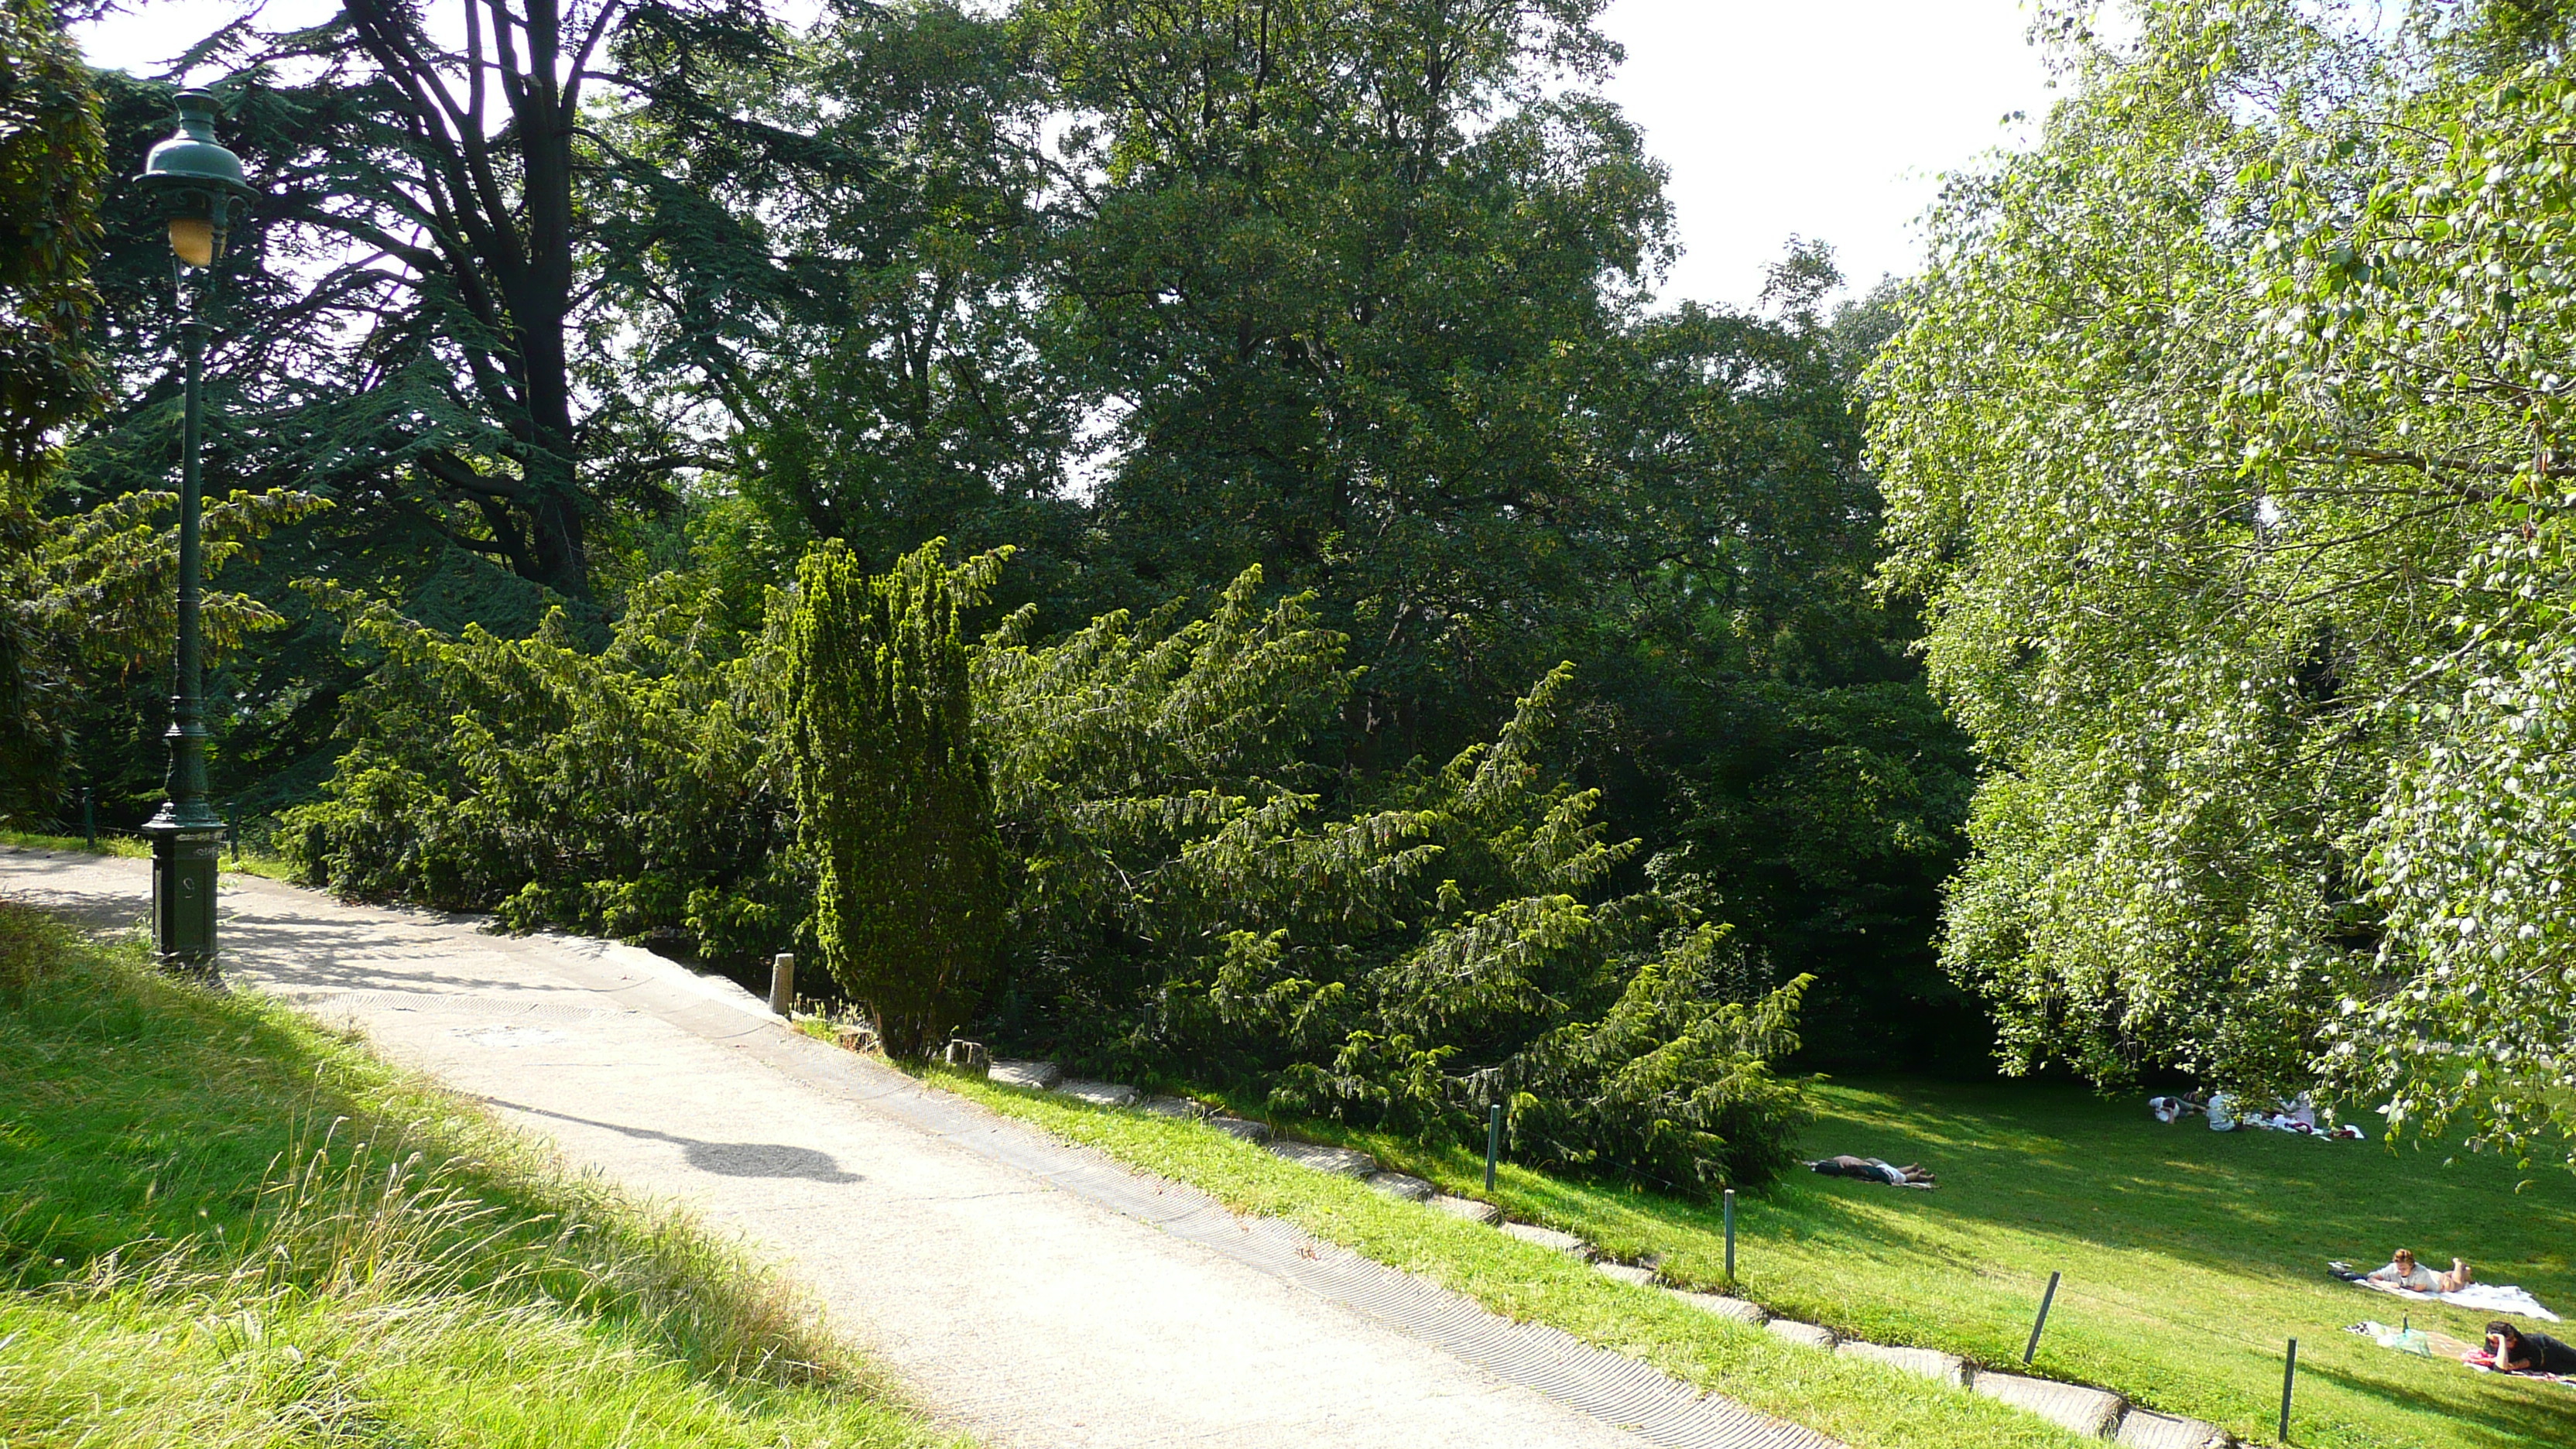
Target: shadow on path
{"points": [[725, 1159]]}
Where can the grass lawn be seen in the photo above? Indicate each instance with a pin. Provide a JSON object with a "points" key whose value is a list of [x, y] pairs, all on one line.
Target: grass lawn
{"points": [[221, 1226], [2189, 1258]]}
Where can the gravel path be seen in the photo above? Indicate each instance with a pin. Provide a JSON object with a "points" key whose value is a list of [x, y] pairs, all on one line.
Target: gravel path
{"points": [[1032, 1293]]}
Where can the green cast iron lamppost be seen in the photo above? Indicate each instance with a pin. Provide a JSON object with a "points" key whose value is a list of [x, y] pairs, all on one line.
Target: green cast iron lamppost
{"points": [[198, 185]]}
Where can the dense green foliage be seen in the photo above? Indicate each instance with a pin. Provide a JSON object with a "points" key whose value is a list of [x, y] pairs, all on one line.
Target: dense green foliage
{"points": [[638, 792], [49, 165], [894, 796], [2223, 445], [86, 593], [1362, 298], [1313, 376], [1406, 948], [1176, 889], [50, 160], [223, 1227]]}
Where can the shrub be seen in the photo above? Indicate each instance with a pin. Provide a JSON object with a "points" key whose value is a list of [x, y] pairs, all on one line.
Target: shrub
{"points": [[1424, 946], [896, 803], [635, 793]]}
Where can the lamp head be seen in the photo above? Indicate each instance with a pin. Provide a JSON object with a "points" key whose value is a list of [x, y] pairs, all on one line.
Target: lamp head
{"points": [[197, 182]]}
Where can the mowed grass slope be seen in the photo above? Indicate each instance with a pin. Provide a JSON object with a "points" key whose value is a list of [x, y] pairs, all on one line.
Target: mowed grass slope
{"points": [[2189, 1256], [221, 1226]]}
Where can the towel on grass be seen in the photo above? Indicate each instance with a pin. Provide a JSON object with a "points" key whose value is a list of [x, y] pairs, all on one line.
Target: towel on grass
{"points": [[2493, 1297], [2430, 1342]]}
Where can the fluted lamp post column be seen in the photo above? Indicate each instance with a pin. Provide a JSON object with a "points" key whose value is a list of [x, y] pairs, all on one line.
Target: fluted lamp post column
{"points": [[198, 186]]}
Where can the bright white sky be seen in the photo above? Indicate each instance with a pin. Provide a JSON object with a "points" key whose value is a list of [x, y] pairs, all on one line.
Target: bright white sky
{"points": [[1828, 119]]}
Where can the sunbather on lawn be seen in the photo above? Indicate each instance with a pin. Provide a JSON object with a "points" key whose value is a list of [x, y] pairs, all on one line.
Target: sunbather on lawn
{"points": [[2517, 1352], [1870, 1169], [2404, 1272]]}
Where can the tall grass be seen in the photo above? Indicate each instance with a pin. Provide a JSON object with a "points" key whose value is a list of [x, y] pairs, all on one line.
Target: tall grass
{"points": [[395, 1270]]}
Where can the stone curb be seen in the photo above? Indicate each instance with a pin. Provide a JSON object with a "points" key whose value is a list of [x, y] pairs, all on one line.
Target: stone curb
{"points": [[1468, 1208], [1807, 1333], [1566, 1243], [2147, 1429], [2092, 1413], [1101, 1094], [1739, 1309], [1931, 1363], [1037, 1076], [1397, 1184], [1340, 1161]]}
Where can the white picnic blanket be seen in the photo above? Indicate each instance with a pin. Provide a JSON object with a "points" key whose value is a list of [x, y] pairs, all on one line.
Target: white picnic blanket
{"points": [[2493, 1297]]}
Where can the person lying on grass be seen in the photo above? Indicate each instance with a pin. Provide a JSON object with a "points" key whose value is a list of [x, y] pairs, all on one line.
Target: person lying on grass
{"points": [[2516, 1352], [2404, 1272], [1870, 1169], [2174, 1109]]}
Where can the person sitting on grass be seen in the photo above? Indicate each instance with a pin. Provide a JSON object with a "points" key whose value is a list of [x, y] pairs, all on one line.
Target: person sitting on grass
{"points": [[2517, 1352], [1870, 1169], [2404, 1272]]}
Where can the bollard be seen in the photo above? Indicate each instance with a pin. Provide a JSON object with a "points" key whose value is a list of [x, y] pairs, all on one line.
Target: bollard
{"points": [[782, 983], [1730, 1237], [2289, 1376], [2041, 1322], [89, 816], [1493, 1142], [236, 829]]}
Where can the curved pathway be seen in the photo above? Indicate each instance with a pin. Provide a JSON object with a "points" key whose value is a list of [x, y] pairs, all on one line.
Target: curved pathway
{"points": [[1030, 1292]]}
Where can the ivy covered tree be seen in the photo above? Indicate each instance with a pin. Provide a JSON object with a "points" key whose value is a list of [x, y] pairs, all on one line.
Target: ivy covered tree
{"points": [[50, 163], [894, 793]]}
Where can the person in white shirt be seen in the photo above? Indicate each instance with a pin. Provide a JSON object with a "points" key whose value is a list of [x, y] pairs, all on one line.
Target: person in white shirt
{"points": [[2405, 1272]]}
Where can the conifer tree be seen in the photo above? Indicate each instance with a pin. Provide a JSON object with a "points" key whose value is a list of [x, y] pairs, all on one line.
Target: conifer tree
{"points": [[896, 799]]}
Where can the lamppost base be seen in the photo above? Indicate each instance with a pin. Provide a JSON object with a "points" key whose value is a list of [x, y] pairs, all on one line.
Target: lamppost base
{"points": [[183, 896]]}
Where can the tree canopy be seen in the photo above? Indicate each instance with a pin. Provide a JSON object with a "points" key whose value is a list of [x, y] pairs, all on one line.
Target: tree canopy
{"points": [[2221, 445]]}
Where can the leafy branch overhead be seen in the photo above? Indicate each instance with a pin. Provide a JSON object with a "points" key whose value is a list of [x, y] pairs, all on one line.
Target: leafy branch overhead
{"points": [[2224, 447]]}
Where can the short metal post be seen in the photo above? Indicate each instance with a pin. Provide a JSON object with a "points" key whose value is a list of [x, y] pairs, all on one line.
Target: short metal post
{"points": [[782, 983], [2041, 1322], [2289, 1377], [236, 829], [1493, 1142], [89, 816], [1730, 1237]]}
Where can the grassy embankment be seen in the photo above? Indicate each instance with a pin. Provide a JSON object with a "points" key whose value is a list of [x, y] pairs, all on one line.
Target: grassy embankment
{"points": [[221, 1226], [2189, 1258]]}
